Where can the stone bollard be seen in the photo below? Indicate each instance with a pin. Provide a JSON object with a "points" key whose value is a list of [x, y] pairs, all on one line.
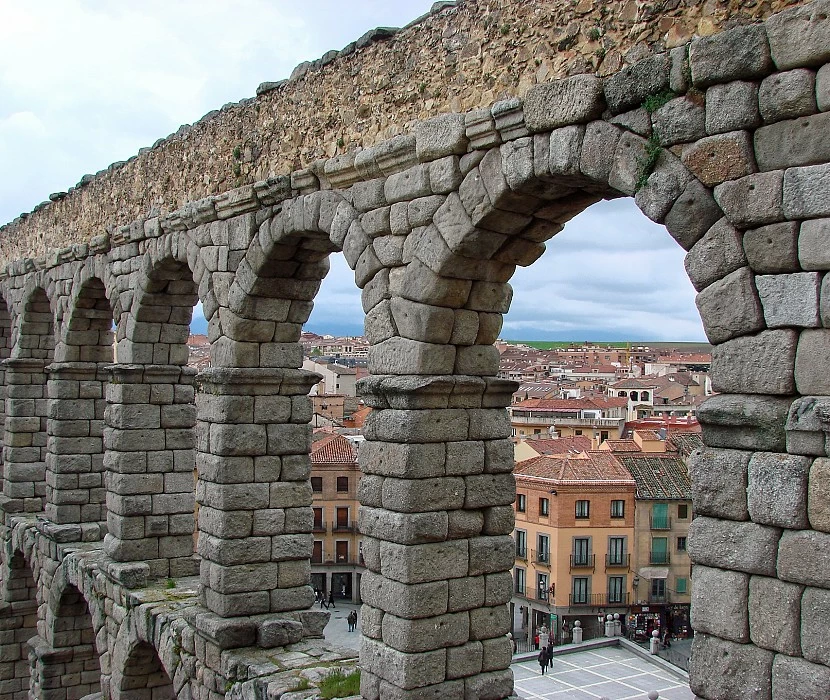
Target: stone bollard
{"points": [[654, 642], [617, 625], [577, 632], [609, 625], [653, 695]]}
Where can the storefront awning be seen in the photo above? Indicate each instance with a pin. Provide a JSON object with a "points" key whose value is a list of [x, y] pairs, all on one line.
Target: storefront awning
{"points": [[651, 572]]}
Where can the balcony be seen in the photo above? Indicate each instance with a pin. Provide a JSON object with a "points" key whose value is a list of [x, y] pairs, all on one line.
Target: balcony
{"points": [[617, 561], [319, 527], [524, 419], [597, 600], [521, 552], [658, 598], [339, 560], [542, 595], [583, 561], [660, 522], [658, 557], [343, 527], [541, 557]]}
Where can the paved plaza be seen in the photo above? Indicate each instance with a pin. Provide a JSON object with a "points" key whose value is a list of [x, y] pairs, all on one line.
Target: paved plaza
{"points": [[612, 672]]}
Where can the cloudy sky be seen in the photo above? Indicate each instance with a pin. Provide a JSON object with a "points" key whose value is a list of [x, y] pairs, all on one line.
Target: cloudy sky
{"points": [[85, 83]]}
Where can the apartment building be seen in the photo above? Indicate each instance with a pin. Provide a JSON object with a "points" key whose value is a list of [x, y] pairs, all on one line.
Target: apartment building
{"points": [[574, 532], [337, 379], [336, 558], [663, 513], [599, 418]]}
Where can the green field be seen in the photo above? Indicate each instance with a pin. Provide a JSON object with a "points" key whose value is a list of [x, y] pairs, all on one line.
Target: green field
{"points": [[559, 344]]}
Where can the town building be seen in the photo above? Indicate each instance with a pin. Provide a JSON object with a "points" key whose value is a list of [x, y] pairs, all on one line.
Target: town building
{"points": [[337, 379], [599, 418], [336, 557], [663, 513], [574, 532]]}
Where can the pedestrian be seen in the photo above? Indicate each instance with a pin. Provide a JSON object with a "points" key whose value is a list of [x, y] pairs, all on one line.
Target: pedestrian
{"points": [[544, 659], [323, 602], [331, 599], [666, 638], [352, 621]]}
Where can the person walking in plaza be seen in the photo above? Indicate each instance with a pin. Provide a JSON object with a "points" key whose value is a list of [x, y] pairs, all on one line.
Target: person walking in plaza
{"points": [[331, 599], [544, 659]]}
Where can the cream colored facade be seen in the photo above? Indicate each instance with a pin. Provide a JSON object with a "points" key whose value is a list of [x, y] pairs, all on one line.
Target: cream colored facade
{"points": [[569, 567]]}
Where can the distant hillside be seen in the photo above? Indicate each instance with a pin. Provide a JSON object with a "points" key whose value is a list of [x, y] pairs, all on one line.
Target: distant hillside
{"points": [[556, 344]]}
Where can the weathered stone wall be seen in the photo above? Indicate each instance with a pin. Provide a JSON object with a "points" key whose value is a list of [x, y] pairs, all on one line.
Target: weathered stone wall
{"points": [[733, 161], [454, 60]]}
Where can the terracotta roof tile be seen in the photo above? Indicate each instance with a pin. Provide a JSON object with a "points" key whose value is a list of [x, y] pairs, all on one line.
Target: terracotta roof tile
{"points": [[562, 445], [658, 476], [333, 449], [587, 466], [686, 443], [622, 445]]}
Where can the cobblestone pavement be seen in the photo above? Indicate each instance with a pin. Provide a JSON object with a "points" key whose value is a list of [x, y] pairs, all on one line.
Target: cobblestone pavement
{"points": [[610, 672]]}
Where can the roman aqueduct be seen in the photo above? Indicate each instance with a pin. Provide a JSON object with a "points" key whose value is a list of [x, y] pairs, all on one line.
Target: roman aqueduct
{"points": [[479, 131]]}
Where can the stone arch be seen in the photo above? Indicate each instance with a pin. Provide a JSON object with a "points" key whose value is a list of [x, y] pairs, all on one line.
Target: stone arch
{"points": [[25, 435], [5, 353], [433, 314], [155, 328], [19, 620], [254, 413], [274, 287], [150, 414], [141, 675], [75, 492], [36, 332], [88, 332], [69, 649]]}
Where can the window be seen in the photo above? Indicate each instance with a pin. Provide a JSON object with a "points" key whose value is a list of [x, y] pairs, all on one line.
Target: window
{"points": [[617, 509], [616, 589], [681, 544], [580, 590], [520, 575], [680, 585], [317, 552], [660, 516], [577, 432], [543, 549], [342, 518], [616, 551], [580, 551], [644, 396], [659, 550], [682, 511], [521, 502], [658, 589], [318, 519], [544, 506], [603, 435], [317, 484], [342, 484], [521, 544], [542, 586], [582, 509], [341, 551]]}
